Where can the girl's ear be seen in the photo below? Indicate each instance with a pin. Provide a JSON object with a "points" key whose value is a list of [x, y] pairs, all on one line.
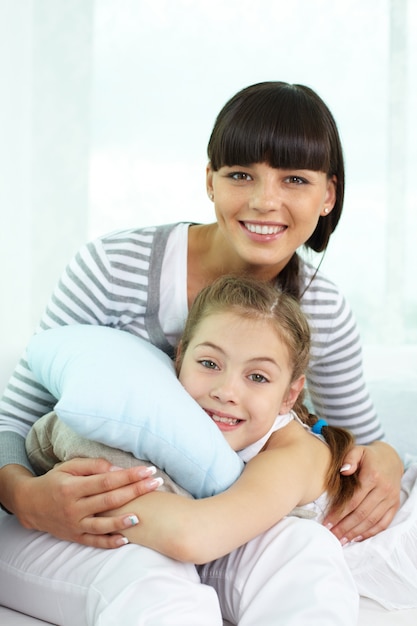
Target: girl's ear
{"points": [[293, 392], [209, 180]]}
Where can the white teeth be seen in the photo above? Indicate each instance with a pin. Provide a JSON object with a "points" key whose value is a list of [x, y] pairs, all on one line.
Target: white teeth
{"points": [[263, 230], [225, 420]]}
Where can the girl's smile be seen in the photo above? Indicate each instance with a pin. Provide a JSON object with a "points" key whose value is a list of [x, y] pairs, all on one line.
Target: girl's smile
{"points": [[223, 421]]}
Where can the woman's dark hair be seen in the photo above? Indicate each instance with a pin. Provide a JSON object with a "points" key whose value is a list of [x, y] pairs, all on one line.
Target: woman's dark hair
{"points": [[286, 126]]}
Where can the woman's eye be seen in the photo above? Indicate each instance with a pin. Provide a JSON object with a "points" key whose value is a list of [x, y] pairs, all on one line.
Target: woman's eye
{"points": [[211, 365], [258, 378], [240, 176], [296, 180]]}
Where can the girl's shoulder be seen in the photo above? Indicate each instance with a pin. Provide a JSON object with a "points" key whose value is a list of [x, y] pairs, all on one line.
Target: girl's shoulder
{"points": [[296, 434], [302, 455]]}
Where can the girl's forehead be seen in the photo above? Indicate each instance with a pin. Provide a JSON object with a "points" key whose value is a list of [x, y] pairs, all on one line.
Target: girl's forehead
{"points": [[242, 338], [243, 322]]}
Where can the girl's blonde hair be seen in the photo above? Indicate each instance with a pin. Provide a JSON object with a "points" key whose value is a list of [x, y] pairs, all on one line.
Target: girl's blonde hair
{"points": [[258, 300]]}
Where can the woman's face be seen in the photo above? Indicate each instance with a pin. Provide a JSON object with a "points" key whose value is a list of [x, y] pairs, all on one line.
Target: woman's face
{"points": [[241, 384], [266, 213]]}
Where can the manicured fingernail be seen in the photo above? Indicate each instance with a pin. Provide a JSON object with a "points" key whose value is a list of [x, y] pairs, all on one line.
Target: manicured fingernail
{"points": [[122, 541], [156, 482], [344, 541], [357, 539], [131, 520], [329, 526], [151, 470], [144, 472], [345, 467]]}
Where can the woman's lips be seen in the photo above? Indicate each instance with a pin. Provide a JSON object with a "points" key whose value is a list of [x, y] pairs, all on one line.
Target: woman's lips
{"points": [[261, 232], [264, 229]]}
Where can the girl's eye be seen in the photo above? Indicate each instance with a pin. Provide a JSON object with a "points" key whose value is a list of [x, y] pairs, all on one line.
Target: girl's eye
{"points": [[258, 378], [211, 365]]}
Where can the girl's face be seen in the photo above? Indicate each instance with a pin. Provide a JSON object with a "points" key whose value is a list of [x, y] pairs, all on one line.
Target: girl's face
{"points": [[238, 371], [266, 213]]}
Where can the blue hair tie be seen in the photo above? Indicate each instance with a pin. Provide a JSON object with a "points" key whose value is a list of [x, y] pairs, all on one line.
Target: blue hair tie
{"points": [[316, 428]]}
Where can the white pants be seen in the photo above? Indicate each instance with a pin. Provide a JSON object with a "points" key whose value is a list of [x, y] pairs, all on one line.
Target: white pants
{"points": [[385, 566], [293, 575]]}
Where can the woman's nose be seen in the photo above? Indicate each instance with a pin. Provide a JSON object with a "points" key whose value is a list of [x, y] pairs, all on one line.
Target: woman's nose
{"points": [[266, 196]]}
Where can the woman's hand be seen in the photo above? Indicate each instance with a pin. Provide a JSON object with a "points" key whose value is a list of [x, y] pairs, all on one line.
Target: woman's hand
{"points": [[376, 501], [67, 500]]}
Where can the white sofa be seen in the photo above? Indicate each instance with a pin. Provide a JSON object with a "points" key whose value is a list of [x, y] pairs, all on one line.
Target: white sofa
{"points": [[370, 615], [392, 377]]}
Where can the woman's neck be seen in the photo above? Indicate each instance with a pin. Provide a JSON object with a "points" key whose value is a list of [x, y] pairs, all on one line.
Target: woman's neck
{"points": [[210, 257]]}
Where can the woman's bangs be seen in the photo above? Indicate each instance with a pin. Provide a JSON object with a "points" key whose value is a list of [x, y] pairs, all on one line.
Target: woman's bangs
{"points": [[287, 144]]}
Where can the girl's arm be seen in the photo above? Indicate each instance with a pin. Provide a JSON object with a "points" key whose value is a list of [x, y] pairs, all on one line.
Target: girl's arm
{"points": [[198, 531]]}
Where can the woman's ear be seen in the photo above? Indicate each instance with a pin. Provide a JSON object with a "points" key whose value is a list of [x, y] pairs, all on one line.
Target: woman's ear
{"points": [[330, 199], [293, 392]]}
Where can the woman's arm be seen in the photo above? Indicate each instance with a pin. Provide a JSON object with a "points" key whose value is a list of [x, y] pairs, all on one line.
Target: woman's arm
{"points": [[338, 390], [198, 531], [74, 301], [376, 501], [66, 502], [335, 377]]}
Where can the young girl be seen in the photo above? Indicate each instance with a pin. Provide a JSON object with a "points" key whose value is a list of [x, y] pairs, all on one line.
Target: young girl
{"points": [[242, 357]]}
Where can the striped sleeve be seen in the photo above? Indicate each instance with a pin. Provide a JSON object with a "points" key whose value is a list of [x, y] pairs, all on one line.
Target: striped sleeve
{"points": [[335, 379], [105, 283]]}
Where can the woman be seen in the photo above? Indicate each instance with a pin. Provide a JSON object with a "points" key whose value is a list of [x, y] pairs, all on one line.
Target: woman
{"points": [[276, 178]]}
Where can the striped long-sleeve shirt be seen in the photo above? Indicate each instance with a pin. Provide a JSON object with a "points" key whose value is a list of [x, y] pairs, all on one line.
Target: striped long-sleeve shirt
{"points": [[115, 281]]}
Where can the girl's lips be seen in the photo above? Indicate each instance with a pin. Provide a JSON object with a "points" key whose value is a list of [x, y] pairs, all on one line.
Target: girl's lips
{"points": [[224, 422]]}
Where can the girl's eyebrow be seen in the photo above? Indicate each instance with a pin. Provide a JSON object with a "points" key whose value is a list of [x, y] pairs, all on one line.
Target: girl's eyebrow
{"points": [[209, 344], [255, 359]]}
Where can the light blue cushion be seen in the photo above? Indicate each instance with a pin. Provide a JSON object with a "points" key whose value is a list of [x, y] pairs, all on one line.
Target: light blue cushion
{"points": [[120, 390]]}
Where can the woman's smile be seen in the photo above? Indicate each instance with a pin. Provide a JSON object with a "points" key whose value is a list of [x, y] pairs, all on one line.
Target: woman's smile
{"points": [[263, 231]]}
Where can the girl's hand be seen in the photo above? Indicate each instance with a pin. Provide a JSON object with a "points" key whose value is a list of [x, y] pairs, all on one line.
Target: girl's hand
{"points": [[376, 501], [67, 500]]}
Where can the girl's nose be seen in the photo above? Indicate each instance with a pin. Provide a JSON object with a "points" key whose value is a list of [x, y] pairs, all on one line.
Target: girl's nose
{"points": [[225, 390]]}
